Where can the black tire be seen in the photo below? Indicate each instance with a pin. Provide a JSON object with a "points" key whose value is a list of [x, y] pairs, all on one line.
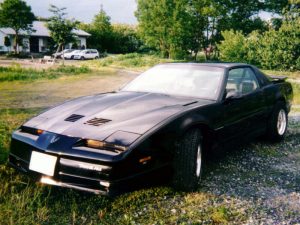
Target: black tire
{"points": [[72, 56], [185, 176], [96, 57], [274, 133], [82, 58]]}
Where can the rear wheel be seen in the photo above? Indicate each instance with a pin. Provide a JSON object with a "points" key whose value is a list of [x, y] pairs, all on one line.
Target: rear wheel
{"points": [[82, 58], [188, 161], [278, 122], [96, 57]]}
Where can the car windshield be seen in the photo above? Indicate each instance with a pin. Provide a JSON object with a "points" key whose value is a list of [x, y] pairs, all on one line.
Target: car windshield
{"points": [[180, 79]]}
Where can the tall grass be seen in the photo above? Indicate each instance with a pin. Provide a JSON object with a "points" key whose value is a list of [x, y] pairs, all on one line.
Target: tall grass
{"points": [[134, 61], [296, 90], [16, 72]]}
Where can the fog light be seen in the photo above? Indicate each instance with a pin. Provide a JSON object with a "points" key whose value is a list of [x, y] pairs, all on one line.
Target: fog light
{"points": [[104, 183], [48, 180]]}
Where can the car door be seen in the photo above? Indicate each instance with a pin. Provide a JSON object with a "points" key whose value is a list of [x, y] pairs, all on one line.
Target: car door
{"points": [[94, 54], [87, 54], [242, 112]]}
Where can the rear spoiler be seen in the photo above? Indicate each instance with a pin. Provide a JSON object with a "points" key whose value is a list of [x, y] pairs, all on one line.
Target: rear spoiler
{"points": [[277, 79]]}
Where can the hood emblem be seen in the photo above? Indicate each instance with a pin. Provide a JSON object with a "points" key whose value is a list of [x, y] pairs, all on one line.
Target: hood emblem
{"points": [[97, 121]]}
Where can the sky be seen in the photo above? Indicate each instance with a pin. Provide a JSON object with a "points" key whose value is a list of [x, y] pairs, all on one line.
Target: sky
{"points": [[120, 11]]}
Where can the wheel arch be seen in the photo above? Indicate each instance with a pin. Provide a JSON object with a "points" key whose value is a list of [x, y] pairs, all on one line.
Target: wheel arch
{"points": [[207, 132]]}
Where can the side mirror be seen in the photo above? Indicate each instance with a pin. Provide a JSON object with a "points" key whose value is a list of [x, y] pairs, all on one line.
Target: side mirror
{"points": [[232, 95]]}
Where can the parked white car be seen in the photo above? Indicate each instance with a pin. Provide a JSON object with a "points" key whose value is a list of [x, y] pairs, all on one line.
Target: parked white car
{"points": [[87, 54], [70, 55], [60, 54]]}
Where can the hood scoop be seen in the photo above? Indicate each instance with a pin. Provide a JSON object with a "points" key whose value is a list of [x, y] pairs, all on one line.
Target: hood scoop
{"points": [[97, 122], [74, 118]]}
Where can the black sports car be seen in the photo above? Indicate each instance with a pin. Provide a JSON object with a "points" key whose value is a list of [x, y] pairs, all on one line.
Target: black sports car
{"points": [[158, 126]]}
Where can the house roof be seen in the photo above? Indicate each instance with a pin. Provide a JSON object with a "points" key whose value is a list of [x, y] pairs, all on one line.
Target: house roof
{"points": [[41, 30]]}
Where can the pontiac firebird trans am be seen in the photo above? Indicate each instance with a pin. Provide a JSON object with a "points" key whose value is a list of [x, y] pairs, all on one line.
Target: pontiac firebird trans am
{"points": [[158, 126]]}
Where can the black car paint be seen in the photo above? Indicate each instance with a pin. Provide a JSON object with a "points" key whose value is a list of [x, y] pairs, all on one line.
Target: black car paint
{"points": [[147, 124]]}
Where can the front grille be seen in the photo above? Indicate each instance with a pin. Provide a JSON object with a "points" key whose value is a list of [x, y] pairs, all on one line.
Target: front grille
{"points": [[97, 122], [73, 118]]}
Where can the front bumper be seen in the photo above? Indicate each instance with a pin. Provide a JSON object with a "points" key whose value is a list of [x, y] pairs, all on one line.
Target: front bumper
{"points": [[82, 170], [68, 175]]}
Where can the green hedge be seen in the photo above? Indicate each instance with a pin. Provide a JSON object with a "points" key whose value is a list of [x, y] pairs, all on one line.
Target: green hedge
{"points": [[276, 50]]}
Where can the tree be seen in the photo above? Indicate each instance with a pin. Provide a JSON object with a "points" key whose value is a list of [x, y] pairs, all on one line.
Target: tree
{"points": [[124, 39], [61, 29], [242, 15], [17, 15], [100, 30], [165, 25]]}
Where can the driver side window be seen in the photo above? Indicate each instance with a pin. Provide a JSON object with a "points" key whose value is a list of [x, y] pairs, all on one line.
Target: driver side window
{"points": [[242, 81]]}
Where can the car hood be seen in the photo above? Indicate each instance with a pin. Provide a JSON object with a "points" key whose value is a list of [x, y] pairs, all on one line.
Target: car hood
{"points": [[120, 113]]}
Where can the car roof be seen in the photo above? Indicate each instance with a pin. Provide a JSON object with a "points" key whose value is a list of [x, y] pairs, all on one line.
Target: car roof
{"points": [[221, 65]]}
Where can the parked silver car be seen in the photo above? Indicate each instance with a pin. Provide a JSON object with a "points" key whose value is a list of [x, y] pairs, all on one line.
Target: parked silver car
{"points": [[87, 54]]}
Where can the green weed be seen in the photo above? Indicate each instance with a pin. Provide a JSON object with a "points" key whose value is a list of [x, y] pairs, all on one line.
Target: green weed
{"points": [[16, 72], [133, 61]]}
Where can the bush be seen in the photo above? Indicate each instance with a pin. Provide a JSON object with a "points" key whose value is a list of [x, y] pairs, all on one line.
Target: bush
{"points": [[21, 55], [134, 61], [276, 50], [280, 49], [233, 47]]}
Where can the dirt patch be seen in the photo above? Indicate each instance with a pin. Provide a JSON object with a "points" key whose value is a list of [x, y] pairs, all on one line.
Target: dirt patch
{"points": [[45, 93]]}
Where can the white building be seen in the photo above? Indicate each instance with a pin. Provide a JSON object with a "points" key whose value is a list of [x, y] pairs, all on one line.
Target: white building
{"points": [[36, 41]]}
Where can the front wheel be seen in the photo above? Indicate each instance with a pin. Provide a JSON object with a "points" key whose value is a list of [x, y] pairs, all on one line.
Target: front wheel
{"points": [[278, 122], [188, 161], [82, 58]]}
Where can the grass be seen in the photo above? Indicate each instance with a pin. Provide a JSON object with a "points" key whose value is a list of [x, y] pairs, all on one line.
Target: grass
{"points": [[296, 90], [289, 74], [132, 61], [16, 72], [141, 62]]}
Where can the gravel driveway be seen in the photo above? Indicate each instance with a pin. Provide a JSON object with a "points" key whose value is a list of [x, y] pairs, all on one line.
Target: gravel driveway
{"points": [[261, 181]]}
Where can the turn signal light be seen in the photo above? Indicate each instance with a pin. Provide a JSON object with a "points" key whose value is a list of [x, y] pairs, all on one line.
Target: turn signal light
{"points": [[94, 144], [39, 132], [145, 160]]}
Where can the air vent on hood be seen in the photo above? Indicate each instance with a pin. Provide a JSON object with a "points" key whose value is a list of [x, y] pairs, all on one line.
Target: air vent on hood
{"points": [[73, 118], [97, 121]]}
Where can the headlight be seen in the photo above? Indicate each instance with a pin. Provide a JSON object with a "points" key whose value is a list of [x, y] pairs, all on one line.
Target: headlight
{"points": [[103, 145]]}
